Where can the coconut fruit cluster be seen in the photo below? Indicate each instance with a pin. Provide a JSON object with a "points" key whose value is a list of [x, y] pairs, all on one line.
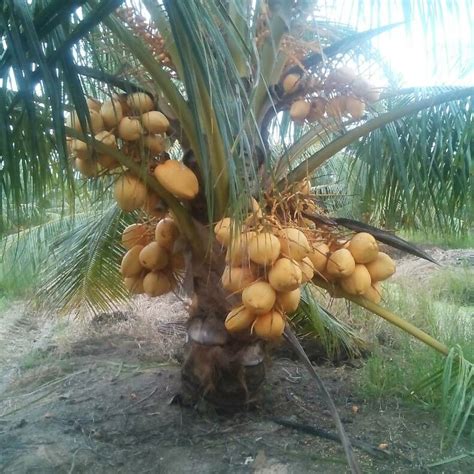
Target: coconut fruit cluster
{"points": [[151, 265], [343, 93], [130, 124], [126, 122], [267, 262], [357, 267]]}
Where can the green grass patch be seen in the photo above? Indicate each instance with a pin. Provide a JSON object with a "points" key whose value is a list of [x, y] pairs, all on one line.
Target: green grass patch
{"points": [[463, 240]]}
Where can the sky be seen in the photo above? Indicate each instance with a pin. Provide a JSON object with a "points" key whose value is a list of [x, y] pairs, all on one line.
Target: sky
{"points": [[422, 57]]}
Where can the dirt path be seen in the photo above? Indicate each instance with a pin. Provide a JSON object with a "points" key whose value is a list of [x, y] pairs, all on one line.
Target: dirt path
{"points": [[100, 401]]}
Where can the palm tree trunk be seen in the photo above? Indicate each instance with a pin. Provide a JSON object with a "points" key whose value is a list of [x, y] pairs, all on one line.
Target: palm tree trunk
{"points": [[223, 369]]}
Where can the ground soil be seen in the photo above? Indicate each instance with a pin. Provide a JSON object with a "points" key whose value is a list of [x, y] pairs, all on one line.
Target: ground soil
{"points": [[102, 398]]}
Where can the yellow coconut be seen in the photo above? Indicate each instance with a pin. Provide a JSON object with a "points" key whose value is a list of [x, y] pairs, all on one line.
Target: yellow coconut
{"points": [[269, 326], [317, 109], [222, 230], [363, 247], [155, 122], [130, 129], [355, 107], [134, 285], [88, 168], [93, 104], [299, 110], [288, 301], [285, 275], [237, 250], [294, 243], [178, 179], [155, 143], [166, 232], [291, 83], [264, 248], [319, 257], [153, 205], [358, 282], [239, 319], [112, 113], [336, 107], [135, 234], [381, 268], [307, 269], [157, 283], [235, 279], [259, 297], [374, 293], [79, 149], [140, 102], [107, 138], [129, 192], [96, 123], [131, 265], [153, 256], [340, 263]]}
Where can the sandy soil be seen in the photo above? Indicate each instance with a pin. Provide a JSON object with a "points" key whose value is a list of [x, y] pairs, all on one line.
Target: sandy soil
{"points": [[100, 398]]}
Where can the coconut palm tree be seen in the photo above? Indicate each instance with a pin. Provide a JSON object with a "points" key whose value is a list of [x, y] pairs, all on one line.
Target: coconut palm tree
{"points": [[256, 97]]}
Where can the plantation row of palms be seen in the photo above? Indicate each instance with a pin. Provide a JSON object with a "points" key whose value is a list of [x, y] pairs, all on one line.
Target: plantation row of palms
{"points": [[260, 102]]}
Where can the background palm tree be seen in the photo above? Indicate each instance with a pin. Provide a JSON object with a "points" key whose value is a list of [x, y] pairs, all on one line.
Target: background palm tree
{"points": [[216, 70]]}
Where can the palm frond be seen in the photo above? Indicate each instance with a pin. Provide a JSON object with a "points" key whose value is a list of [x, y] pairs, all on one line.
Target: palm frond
{"points": [[81, 273], [314, 321]]}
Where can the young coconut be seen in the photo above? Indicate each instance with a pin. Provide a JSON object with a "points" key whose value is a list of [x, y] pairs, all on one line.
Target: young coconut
{"points": [[178, 179], [107, 138], [363, 247], [319, 257], [340, 77], [134, 285], [222, 231], [365, 89], [259, 297], [112, 113], [307, 269], [79, 149], [285, 275], [355, 107], [235, 279], [166, 233], [264, 248], [294, 243], [93, 104], [299, 110], [177, 263], [291, 83], [358, 282], [131, 265], [129, 192], [288, 301], [155, 122], [269, 326], [157, 283], [130, 129], [140, 102], [237, 250], [381, 268], [155, 143], [153, 205], [96, 123], [374, 293], [340, 263], [239, 319], [153, 257], [135, 234]]}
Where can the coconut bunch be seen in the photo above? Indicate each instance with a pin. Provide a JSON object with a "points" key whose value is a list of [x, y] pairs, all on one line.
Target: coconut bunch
{"points": [[152, 265], [276, 251], [343, 93], [128, 122]]}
